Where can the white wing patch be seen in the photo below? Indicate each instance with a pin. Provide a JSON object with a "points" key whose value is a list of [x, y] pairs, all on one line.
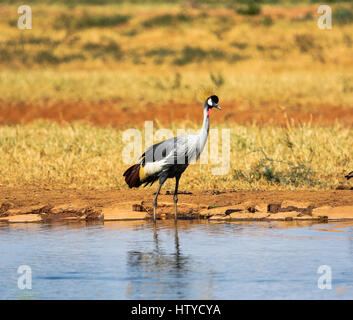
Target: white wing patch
{"points": [[151, 168], [187, 150]]}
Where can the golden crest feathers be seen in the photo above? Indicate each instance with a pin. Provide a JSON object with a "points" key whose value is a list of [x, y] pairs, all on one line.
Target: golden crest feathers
{"points": [[204, 92]]}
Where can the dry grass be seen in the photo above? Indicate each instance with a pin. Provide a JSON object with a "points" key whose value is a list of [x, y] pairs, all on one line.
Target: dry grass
{"points": [[83, 156], [291, 89], [133, 56], [161, 53]]}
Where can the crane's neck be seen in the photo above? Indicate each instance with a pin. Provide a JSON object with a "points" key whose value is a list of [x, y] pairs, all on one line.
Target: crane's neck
{"points": [[203, 133], [206, 122]]}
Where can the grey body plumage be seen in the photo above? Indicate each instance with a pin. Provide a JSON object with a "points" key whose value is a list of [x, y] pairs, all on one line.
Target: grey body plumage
{"points": [[170, 158]]}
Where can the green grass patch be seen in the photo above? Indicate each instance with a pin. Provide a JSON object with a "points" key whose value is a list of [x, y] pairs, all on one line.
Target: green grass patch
{"points": [[166, 20], [342, 15], [197, 54], [249, 8], [72, 22], [98, 50]]}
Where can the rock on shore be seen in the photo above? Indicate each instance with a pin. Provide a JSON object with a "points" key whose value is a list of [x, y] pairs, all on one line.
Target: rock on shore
{"points": [[246, 211]]}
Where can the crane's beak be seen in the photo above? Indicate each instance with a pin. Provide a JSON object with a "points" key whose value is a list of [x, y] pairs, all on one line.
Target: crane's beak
{"points": [[217, 106]]}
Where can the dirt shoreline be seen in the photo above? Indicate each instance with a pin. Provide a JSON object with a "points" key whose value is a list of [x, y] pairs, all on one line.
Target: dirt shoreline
{"points": [[23, 205]]}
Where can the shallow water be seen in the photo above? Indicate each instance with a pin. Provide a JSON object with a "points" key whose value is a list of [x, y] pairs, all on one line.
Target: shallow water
{"points": [[198, 260]]}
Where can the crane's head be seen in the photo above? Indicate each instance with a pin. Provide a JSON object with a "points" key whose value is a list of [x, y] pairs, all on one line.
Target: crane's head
{"points": [[212, 102]]}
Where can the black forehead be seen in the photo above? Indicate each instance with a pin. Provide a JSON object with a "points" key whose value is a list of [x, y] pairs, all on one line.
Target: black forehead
{"points": [[214, 98]]}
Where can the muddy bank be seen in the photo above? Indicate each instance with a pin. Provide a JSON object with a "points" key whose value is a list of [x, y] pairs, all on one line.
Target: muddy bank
{"points": [[43, 205]]}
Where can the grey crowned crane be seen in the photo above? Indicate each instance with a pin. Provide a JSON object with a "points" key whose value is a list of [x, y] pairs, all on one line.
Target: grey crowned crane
{"points": [[170, 158], [349, 175]]}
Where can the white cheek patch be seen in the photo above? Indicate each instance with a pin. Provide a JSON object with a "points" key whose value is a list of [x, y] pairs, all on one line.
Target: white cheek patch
{"points": [[209, 102]]}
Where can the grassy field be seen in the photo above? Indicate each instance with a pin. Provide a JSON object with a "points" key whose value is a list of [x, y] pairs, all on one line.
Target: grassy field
{"points": [[142, 54], [46, 154], [104, 63]]}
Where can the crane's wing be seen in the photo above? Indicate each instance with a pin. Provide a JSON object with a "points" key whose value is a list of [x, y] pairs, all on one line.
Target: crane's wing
{"points": [[161, 157], [177, 150]]}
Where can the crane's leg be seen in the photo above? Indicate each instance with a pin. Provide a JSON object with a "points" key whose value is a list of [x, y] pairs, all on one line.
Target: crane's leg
{"points": [[161, 181], [177, 178]]}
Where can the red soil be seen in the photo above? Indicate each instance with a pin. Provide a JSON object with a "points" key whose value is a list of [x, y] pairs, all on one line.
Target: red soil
{"points": [[109, 113]]}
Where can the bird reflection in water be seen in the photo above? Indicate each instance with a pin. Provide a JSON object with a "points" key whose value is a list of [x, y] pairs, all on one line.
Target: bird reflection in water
{"points": [[158, 271]]}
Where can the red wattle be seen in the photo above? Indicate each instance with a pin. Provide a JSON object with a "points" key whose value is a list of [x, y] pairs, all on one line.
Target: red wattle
{"points": [[209, 111]]}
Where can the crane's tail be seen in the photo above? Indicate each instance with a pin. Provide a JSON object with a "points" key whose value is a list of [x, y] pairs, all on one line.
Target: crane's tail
{"points": [[132, 176]]}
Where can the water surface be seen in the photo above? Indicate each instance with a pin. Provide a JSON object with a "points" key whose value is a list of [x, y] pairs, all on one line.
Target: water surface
{"points": [[196, 260]]}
